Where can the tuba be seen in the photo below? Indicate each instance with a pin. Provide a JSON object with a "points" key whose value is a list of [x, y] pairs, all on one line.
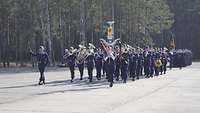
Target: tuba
{"points": [[158, 63], [81, 55]]}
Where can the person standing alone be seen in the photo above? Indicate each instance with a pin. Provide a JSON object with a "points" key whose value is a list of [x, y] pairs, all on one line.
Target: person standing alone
{"points": [[43, 60]]}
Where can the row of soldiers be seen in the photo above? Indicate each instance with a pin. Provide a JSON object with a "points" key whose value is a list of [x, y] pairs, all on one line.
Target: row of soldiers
{"points": [[181, 58], [116, 61]]}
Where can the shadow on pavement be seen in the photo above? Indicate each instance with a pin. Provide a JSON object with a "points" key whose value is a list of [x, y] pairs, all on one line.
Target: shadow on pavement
{"points": [[80, 85]]}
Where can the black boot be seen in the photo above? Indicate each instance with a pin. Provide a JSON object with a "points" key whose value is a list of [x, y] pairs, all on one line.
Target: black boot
{"points": [[111, 84], [72, 80], [40, 83], [44, 82]]}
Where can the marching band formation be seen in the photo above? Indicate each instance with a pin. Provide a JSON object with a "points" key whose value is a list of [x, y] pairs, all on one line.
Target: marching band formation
{"points": [[117, 61]]}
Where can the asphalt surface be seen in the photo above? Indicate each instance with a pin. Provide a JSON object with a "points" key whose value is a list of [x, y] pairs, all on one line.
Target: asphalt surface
{"points": [[176, 92]]}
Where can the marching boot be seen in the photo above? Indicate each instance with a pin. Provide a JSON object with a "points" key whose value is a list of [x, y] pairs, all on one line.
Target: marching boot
{"points": [[133, 79], [40, 83], [111, 84], [44, 82], [81, 78], [72, 80]]}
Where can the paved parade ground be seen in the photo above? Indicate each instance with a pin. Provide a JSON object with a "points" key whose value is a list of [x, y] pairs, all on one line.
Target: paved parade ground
{"points": [[176, 92]]}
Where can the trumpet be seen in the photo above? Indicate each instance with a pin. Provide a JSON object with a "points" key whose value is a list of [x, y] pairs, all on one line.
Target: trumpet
{"points": [[73, 52], [91, 46], [90, 50], [81, 47], [131, 48], [69, 52]]}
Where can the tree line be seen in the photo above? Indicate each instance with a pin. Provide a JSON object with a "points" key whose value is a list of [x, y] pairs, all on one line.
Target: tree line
{"points": [[186, 27], [59, 24]]}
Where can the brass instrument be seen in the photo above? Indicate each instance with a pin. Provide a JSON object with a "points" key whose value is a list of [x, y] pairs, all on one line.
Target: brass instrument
{"points": [[90, 50], [66, 54], [69, 52], [158, 63], [81, 55], [139, 50], [131, 48], [91, 46], [73, 52], [165, 49], [124, 49]]}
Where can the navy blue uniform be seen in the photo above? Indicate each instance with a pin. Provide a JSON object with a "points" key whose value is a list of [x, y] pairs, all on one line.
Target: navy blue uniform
{"points": [[71, 63], [147, 63], [164, 63], [90, 66], [133, 65], [43, 60], [104, 67], [110, 69], [152, 65], [81, 69], [117, 67], [171, 60], [124, 66], [98, 64], [139, 65]]}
